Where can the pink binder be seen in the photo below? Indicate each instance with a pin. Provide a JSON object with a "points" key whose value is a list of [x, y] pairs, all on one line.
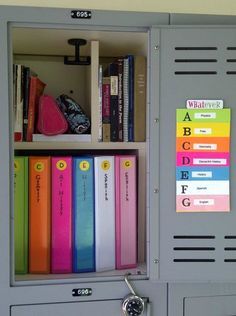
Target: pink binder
{"points": [[61, 251], [126, 212]]}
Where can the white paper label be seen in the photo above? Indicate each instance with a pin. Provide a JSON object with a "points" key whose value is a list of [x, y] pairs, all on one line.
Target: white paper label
{"points": [[201, 174], [202, 161], [202, 131], [205, 146], [114, 85], [205, 115], [203, 202]]}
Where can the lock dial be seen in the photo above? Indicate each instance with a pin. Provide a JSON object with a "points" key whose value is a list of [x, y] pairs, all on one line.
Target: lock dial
{"points": [[133, 305]]}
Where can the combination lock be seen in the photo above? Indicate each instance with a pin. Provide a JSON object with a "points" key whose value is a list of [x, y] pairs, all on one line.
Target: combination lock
{"points": [[133, 305]]}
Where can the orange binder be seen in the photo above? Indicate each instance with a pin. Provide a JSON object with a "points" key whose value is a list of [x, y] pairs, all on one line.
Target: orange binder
{"points": [[39, 214]]}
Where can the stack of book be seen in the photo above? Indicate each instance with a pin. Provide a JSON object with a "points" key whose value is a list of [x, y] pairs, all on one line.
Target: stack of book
{"points": [[75, 214], [27, 89], [124, 100]]}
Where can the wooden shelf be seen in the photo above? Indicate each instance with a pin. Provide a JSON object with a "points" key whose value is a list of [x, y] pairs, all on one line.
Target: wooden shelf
{"points": [[78, 145], [32, 279]]}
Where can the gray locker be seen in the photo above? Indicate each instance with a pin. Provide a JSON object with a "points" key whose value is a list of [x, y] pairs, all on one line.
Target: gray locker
{"points": [[101, 308], [196, 63], [184, 62], [210, 306], [206, 299], [52, 294]]}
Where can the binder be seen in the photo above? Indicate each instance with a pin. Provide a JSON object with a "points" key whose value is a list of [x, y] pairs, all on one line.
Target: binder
{"points": [[21, 214], [39, 214], [126, 212], [104, 213], [83, 215], [61, 244]]}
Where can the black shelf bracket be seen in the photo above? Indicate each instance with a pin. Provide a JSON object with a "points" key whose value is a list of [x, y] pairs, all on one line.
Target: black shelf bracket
{"points": [[78, 60]]}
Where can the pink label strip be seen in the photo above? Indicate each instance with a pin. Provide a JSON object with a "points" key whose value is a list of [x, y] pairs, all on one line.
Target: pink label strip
{"points": [[202, 203], [202, 159]]}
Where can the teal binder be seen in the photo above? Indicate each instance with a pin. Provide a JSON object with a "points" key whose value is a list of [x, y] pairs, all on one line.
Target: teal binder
{"points": [[83, 215]]}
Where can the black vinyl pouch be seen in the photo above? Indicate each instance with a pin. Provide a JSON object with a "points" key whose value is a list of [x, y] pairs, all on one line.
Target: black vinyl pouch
{"points": [[78, 121]]}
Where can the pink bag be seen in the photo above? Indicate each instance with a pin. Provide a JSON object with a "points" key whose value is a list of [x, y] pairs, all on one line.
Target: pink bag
{"points": [[51, 120]]}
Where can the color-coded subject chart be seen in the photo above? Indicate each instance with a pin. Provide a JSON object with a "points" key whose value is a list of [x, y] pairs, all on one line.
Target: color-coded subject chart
{"points": [[202, 160]]}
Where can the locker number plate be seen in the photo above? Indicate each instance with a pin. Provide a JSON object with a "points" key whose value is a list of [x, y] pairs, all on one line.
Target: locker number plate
{"points": [[82, 292], [81, 14]]}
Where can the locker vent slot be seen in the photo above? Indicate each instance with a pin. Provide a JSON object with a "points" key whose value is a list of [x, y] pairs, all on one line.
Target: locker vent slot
{"points": [[195, 61], [231, 72], [195, 72], [230, 250], [231, 61], [194, 260], [195, 48], [194, 248], [231, 48], [189, 60], [194, 237]]}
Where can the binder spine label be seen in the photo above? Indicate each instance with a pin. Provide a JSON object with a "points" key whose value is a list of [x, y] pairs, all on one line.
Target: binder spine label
{"points": [[61, 214]]}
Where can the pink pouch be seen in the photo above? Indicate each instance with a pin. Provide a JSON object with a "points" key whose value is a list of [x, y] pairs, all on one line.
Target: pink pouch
{"points": [[51, 120]]}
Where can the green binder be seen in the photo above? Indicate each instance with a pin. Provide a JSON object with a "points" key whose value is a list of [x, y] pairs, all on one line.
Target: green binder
{"points": [[21, 214]]}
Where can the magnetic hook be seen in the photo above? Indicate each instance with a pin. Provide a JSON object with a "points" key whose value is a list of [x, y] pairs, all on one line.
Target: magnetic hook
{"points": [[77, 42]]}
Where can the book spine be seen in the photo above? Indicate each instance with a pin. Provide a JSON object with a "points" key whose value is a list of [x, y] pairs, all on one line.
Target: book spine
{"points": [[21, 214], [39, 214], [18, 128], [125, 99], [139, 98], [131, 99], [83, 215], [113, 71], [26, 82], [61, 244], [126, 212], [36, 90], [100, 104], [106, 123], [104, 213], [120, 99]]}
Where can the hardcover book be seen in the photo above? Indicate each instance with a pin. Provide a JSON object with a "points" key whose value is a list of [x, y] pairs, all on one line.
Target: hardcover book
{"points": [[140, 98], [106, 122], [21, 214], [36, 90], [131, 98], [125, 99], [61, 244], [83, 215], [18, 106], [39, 214], [104, 213], [114, 112], [126, 212], [120, 62], [26, 83]]}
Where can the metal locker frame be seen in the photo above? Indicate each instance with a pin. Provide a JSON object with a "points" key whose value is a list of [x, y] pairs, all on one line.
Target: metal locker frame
{"points": [[58, 291], [155, 285]]}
